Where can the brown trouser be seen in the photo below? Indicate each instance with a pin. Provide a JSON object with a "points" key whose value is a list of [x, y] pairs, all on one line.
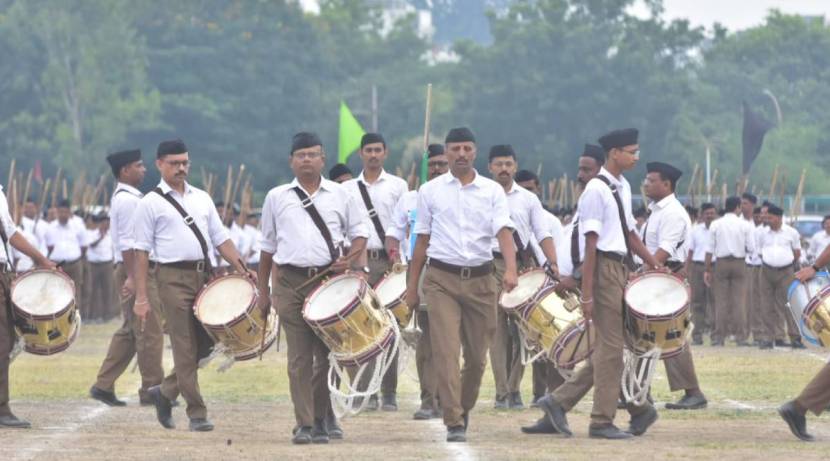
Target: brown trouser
{"points": [[377, 269], [546, 378], [100, 281], [130, 340], [308, 362], [728, 285], [86, 291], [756, 308], [680, 371], [7, 339], [424, 364], [701, 301], [462, 317], [506, 350], [816, 396], [774, 284], [177, 290], [75, 271]]}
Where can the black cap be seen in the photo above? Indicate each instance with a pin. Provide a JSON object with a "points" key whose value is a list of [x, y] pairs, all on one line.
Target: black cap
{"points": [[304, 140], [117, 160], [371, 138], [595, 152], [502, 150], [435, 150], [63, 203], [461, 134], [171, 147], [667, 171], [339, 170], [525, 175], [619, 138], [775, 210]]}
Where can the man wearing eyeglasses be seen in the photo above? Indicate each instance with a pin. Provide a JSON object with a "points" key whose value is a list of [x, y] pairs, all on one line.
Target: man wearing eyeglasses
{"points": [[377, 192], [177, 222]]}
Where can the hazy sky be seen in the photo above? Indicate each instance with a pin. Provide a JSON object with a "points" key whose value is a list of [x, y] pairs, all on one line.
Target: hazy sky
{"points": [[737, 14]]}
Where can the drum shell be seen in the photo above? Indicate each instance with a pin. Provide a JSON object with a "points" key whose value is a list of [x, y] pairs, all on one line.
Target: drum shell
{"points": [[817, 317], [799, 296], [668, 332], [46, 334], [403, 314]]}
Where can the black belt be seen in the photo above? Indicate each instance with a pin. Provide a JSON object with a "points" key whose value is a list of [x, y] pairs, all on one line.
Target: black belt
{"points": [[198, 266], [674, 266], [787, 267], [66, 263], [498, 255], [699, 263], [611, 255], [101, 262], [309, 272], [463, 272], [377, 254]]}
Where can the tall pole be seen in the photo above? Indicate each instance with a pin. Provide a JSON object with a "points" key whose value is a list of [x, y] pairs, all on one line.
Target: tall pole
{"points": [[708, 174], [374, 108]]}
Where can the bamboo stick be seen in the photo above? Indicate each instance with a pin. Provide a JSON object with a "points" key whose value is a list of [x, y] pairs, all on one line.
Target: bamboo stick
{"points": [[795, 209], [55, 187], [11, 173], [229, 206], [773, 183]]}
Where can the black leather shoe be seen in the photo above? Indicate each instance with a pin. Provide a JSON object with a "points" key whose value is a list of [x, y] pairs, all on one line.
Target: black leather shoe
{"points": [[372, 404], [302, 436], [555, 414], [13, 421], [688, 402], [609, 432], [106, 397], [781, 343], [319, 434], [796, 421], [501, 403], [148, 401], [456, 434], [390, 403], [466, 417], [164, 410], [697, 341], [515, 401], [535, 402], [717, 343], [200, 425], [542, 426], [333, 427], [765, 345], [423, 414], [797, 344], [639, 424]]}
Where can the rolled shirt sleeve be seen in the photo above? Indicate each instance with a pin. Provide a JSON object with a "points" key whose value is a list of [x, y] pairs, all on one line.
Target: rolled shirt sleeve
{"points": [[143, 226], [796, 238], [268, 239], [423, 220], [501, 214], [399, 221], [672, 234], [591, 211], [539, 222], [357, 220], [5, 217], [124, 215], [216, 230]]}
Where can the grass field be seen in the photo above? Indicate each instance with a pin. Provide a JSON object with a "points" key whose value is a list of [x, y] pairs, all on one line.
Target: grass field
{"points": [[252, 412]]}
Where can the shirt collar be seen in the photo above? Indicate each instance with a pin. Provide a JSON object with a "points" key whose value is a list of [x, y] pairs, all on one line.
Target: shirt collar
{"points": [[128, 188], [382, 176], [611, 177], [325, 184], [477, 180], [663, 203], [165, 188]]}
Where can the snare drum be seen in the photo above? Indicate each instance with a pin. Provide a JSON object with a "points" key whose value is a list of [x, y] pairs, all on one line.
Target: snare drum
{"points": [[391, 291], [547, 321], [227, 308], [658, 313], [347, 315], [799, 296], [817, 317], [44, 311]]}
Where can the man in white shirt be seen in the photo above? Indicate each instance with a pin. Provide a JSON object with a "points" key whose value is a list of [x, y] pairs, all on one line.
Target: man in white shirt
{"points": [[702, 300], [34, 223], [100, 258], [750, 310], [532, 225], [175, 222], [66, 245], [731, 239], [402, 236], [780, 250], [10, 235], [377, 192], [239, 237], [251, 229], [607, 224], [756, 318], [301, 250], [143, 339], [666, 236], [820, 240], [459, 213]]}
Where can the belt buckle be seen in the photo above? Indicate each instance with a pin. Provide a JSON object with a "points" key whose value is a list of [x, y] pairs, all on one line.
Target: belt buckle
{"points": [[200, 266], [466, 272], [374, 254]]}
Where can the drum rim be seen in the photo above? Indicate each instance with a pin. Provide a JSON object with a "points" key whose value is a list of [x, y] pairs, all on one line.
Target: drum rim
{"points": [[537, 298], [524, 304], [213, 282], [559, 345], [395, 302], [815, 301], [44, 352], [795, 283], [652, 273], [369, 353], [349, 308], [28, 315]]}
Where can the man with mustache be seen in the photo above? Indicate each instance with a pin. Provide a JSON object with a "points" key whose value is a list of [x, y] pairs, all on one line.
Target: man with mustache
{"points": [[378, 192], [458, 215], [402, 230], [702, 302], [529, 217], [175, 222]]}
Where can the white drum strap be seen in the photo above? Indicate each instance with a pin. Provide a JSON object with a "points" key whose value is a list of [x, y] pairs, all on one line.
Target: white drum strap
{"points": [[16, 349], [638, 373], [528, 353]]}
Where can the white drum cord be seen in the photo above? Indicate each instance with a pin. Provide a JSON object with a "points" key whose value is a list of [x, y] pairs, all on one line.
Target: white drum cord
{"points": [[638, 373]]}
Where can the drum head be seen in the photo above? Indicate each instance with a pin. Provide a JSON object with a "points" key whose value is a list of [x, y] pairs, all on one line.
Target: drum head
{"points": [[224, 300], [42, 293], [657, 295], [391, 288], [332, 297], [529, 284]]}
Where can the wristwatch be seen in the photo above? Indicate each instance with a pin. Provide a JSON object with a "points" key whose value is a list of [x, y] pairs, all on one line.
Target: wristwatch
{"points": [[365, 270]]}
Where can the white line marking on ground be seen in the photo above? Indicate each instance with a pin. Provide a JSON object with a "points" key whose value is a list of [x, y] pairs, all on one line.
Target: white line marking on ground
{"points": [[741, 405], [460, 451]]}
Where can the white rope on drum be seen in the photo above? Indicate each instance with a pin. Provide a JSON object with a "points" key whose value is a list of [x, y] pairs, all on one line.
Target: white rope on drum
{"points": [[638, 372]]}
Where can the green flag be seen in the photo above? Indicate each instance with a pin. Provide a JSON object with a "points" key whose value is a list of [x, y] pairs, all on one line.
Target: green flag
{"points": [[424, 167], [350, 134]]}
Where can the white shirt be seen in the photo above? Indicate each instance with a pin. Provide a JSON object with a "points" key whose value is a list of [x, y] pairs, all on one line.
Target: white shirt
{"points": [[67, 241], [8, 224], [699, 242], [753, 258], [668, 229], [554, 226], [403, 220], [527, 215], [731, 236], [240, 240], [563, 249], [818, 242], [123, 206], [384, 194], [23, 262], [254, 235], [461, 220], [159, 228], [102, 252], [38, 230], [599, 214], [289, 233], [776, 247]]}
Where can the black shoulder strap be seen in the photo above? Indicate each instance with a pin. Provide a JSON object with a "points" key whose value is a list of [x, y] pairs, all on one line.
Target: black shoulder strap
{"points": [[190, 223], [621, 212], [575, 244], [373, 213], [318, 221]]}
